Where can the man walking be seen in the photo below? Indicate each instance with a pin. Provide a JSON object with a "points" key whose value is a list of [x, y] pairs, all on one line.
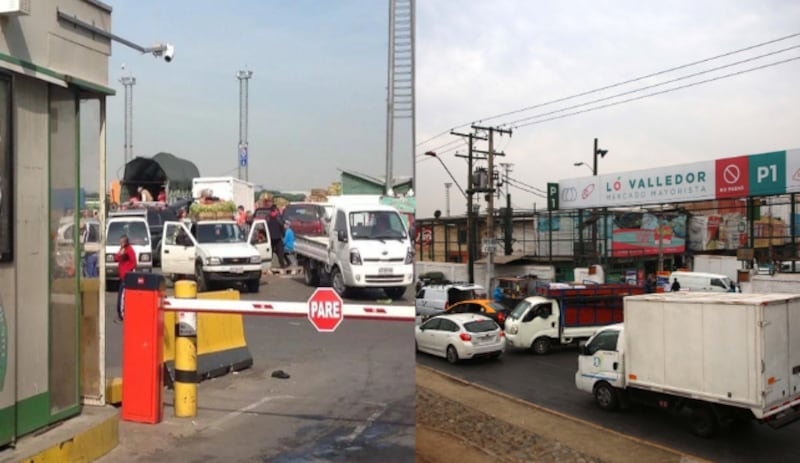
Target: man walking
{"points": [[276, 235], [126, 258]]}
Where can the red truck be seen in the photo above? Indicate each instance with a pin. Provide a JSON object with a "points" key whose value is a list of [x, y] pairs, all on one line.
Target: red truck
{"points": [[561, 314]]}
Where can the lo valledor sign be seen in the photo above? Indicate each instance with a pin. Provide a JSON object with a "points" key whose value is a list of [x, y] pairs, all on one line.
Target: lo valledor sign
{"points": [[752, 175]]}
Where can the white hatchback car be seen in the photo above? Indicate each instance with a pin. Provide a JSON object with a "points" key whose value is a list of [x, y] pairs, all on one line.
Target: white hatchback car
{"points": [[461, 336]]}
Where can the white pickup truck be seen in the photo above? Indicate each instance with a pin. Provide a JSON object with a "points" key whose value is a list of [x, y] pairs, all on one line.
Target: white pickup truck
{"points": [[216, 251], [367, 246]]}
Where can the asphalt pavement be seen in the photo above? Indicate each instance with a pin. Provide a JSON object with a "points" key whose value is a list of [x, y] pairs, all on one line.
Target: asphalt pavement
{"points": [[350, 395], [549, 381]]}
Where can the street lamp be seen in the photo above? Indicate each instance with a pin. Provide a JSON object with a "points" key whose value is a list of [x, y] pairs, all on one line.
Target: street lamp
{"points": [[597, 152], [433, 155], [577, 164]]}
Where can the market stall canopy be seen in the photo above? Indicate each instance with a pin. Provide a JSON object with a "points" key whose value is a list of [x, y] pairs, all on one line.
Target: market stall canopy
{"points": [[152, 173]]}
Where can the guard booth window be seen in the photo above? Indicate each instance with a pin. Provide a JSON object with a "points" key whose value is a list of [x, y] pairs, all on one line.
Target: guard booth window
{"points": [[65, 260]]}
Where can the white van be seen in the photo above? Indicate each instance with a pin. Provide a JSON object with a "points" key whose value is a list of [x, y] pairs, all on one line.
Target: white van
{"points": [[702, 282], [434, 299], [138, 232]]}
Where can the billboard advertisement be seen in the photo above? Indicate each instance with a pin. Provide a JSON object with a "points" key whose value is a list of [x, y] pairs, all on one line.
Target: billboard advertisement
{"points": [[735, 177], [639, 234]]}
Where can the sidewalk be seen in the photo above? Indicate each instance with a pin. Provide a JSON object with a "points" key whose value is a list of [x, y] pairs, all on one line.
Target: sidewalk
{"points": [[83, 439], [458, 418]]}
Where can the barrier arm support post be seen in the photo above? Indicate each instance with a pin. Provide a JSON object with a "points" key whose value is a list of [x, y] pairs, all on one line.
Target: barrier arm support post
{"points": [[186, 354]]}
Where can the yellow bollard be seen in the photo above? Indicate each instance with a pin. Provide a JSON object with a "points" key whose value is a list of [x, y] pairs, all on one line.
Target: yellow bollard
{"points": [[186, 353]]}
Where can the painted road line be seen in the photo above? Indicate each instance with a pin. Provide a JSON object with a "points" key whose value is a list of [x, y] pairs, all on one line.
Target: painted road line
{"points": [[219, 422], [350, 438]]}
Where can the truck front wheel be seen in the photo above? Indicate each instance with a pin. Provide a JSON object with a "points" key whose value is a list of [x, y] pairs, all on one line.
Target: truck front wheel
{"points": [[337, 281], [606, 397], [541, 346], [703, 421], [200, 277]]}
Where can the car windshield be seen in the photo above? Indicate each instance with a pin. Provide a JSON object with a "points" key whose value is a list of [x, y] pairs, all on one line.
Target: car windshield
{"points": [[136, 231], [480, 326], [497, 307], [374, 225], [301, 213], [519, 310], [219, 233]]}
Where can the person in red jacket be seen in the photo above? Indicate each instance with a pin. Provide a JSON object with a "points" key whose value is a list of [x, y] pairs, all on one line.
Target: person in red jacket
{"points": [[126, 258]]}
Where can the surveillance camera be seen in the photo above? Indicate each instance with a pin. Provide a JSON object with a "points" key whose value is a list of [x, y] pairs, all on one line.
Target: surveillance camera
{"points": [[169, 53]]}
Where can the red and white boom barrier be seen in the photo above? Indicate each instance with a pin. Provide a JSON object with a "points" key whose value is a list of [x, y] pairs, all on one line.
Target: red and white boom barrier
{"points": [[324, 309]]}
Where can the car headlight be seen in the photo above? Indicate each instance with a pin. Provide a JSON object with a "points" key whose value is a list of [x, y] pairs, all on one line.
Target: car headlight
{"points": [[144, 257], [409, 255], [355, 257], [213, 261], [255, 260], [512, 330], [109, 257]]}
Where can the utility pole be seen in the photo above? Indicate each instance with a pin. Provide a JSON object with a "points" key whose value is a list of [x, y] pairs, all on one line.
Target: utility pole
{"points": [[471, 238], [447, 186], [508, 222], [244, 163], [490, 236], [128, 82]]}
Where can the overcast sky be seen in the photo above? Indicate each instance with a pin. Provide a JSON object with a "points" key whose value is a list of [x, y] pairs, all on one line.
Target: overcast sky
{"points": [[317, 96], [477, 59]]}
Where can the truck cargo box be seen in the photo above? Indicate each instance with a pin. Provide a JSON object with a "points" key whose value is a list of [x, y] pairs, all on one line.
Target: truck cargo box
{"points": [[729, 348], [590, 305]]}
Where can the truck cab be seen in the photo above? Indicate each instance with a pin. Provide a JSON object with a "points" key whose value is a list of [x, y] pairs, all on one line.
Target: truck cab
{"points": [[533, 323], [601, 366], [216, 252], [366, 246]]}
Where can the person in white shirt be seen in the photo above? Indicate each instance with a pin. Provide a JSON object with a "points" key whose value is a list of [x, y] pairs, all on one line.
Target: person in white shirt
{"points": [[144, 195]]}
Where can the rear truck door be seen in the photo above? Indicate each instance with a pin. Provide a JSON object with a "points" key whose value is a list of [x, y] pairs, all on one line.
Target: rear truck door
{"points": [[601, 360], [178, 250], [259, 237], [777, 371]]}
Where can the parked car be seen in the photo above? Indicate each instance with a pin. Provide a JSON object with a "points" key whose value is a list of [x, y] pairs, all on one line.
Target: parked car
{"points": [[460, 336], [434, 299], [494, 310], [308, 218]]}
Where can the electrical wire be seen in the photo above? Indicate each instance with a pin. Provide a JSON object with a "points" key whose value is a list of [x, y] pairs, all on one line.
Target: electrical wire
{"points": [[618, 84], [648, 87], [661, 92], [513, 180]]}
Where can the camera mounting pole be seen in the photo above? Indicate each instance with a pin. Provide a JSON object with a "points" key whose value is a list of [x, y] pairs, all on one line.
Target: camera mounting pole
{"points": [[160, 49]]}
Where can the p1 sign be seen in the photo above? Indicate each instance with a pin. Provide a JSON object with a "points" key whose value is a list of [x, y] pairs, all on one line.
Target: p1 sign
{"points": [[768, 174]]}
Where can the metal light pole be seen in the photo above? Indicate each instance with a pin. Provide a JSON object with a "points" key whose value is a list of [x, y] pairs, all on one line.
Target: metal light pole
{"points": [[128, 82], [400, 93], [244, 78], [447, 186]]}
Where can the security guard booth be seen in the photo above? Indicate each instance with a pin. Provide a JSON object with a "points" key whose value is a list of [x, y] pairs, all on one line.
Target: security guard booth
{"points": [[53, 85]]}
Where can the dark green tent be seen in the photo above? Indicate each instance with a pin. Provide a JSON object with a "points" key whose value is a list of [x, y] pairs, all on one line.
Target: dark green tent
{"points": [[153, 173]]}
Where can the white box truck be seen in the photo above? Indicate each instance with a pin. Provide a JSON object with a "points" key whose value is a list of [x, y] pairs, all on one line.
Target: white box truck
{"points": [[367, 246], [722, 357], [227, 189]]}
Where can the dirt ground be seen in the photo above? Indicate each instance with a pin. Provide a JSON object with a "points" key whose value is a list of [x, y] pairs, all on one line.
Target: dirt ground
{"points": [[464, 422]]}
